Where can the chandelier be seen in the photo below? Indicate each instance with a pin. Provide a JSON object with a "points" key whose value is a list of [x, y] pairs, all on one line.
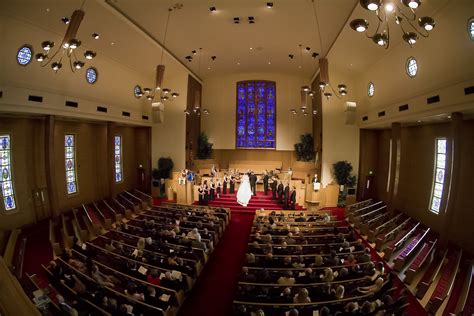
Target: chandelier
{"points": [[159, 95], [403, 15], [325, 84], [305, 91], [197, 109], [68, 48]]}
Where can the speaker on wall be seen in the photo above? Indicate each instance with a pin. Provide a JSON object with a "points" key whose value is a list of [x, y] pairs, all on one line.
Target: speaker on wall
{"points": [[350, 113]]}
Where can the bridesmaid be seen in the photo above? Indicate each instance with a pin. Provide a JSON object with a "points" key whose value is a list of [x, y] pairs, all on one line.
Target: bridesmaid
{"points": [[206, 193], [201, 194], [218, 188], [224, 183], [212, 188], [232, 184]]}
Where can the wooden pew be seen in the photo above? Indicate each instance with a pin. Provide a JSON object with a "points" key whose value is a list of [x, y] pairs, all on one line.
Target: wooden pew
{"points": [[401, 237], [107, 209], [372, 223], [10, 248], [54, 240], [426, 250], [120, 208], [409, 250], [143, 204], [151, 309], [369, 215], [280, 271], [355, 206], [106, 220], [466, 302], [50, 292], [81, 225], [94, 228], [458, 296], [446, 282], [97, 309], [145, 197], [430, 274], [388, 228], [125, 200], [67, 230], [363, 210]]}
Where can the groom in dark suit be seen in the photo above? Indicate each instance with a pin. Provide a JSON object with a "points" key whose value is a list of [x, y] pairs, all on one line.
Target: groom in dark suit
{"points": [[286, 196], [265, 182], [274, 187], [280, 192], [253, 182]]}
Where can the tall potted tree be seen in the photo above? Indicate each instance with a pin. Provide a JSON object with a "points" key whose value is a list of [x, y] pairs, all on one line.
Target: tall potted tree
{"points": [[160, 174], [305, 148], [204, 147], [342, 171]]}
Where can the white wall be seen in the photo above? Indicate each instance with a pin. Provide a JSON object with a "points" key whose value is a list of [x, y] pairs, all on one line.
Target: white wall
{"points": [[219, 96], [340, 141]]}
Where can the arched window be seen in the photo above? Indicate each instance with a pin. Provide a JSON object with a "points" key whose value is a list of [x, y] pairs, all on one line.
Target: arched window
{"points": [[118, 159], [70, 156], [6, 177], [256, 114]]}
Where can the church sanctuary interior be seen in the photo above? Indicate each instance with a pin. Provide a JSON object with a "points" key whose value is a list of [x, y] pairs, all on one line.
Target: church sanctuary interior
{"points": [[236, 157]]}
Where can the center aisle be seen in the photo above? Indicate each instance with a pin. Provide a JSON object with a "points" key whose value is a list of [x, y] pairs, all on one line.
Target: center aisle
{"points": [[214, 291]]}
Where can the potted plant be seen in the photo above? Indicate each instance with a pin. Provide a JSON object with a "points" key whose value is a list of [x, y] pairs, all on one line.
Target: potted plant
{"points": [[342, 171], [305, 148], [204, 147], [165, 166]]}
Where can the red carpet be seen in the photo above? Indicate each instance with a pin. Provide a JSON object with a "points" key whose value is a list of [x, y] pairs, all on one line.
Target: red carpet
{"points": [[256, 202], [38, 248], [214, 291]]}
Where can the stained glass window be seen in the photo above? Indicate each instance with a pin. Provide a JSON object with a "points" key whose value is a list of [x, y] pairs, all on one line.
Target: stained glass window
{"points": [[6, 180], [91, 75], [118, 159], [439, 175], [70, 160], [370, 89], [24, 54], [470, 28], [256, 114], [411, 67]]}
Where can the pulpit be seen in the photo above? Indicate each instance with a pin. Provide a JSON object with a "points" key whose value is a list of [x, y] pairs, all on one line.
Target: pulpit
{"points": [[189, 192]]}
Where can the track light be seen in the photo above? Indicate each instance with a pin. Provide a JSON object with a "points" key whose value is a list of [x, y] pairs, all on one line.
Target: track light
{"points": [[194, 52], [74, 43], [410, 38], [95, 35], [269, 5], [47, 45], [328, 95], [413, 4], [251, 20], [174, 94], [322, 85], [166, 90], [314, 55], [65, 20], [212, 9], [89, 54], [305, 88], [291, 56], [427, 23], [206, 111], [371, 5], [78, 64], [236, 20], [380, 39], [213, 58], [56, 66], [187, 112], [359, 25]]}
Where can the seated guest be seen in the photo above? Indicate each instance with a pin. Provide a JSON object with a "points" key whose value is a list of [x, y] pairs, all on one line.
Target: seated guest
{"points": [[374, 288], [359, 246], [73, 282], [302, 297], [245, 276], [325, 311], [318, 261], [285, 296], [141, 243], [290, 240], [333, 259], [269, 261], [350, 261], [293, 312], [378, 270], [78, 265], [365, 257], [153, 277], [367, 308], [250, 259], [194, 234], [264, 276], [307, 278], [338, 292], [351, 308], [55, 269], [299, 262], [287, 262], [287, 279], [343, 273], [101, 278], [329, 275]]}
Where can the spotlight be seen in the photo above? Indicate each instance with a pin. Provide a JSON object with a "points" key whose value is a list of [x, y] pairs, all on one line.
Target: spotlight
{"points": [[305, 88], [213, 58], [95, 35], [47, 45], [147, 90], [88, 54], [410, 38], [427, 23], [269, 5], [65, 20], [359, 25], [380, 39], [175, 95], [40, 57], [78, 64], [293, 111], [328, 95], [389, 7], [74, 43], [149, 97], [314, 55], [308, 49], [370, 5], [311, 93], [413, 4], [236, 20], [398, 19], [322, 85], [315, 112], [342, 87], [343, 92], [206, 111], [291, 56], [194, 52], [251, 20], [187, 112], [56, 66], [166, 90], [212, 9]]}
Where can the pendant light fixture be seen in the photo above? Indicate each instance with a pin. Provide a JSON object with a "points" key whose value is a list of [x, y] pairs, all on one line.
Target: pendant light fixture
{"points": [[197, 108], [305, 92]]}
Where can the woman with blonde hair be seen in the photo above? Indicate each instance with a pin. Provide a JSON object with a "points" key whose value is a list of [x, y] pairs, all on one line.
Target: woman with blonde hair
{"points": [[329, 275], [338, 292], [374, 288], [141, 243], [302, 297]]}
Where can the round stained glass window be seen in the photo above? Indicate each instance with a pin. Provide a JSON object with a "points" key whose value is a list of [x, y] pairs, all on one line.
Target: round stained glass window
{"points": [[91, 75], [470, 28], [411, 67], [24, 55], [137, 91], [371, 89]]}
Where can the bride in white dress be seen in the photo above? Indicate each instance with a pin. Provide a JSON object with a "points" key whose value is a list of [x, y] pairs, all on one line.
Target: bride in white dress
{"points": [[244, 193]]}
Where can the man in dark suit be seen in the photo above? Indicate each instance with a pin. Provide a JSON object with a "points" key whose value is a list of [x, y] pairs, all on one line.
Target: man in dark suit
{"points": [[293, 199], [253, 182], [286, 196], [265, 182], [280, 192], [274, 187]]}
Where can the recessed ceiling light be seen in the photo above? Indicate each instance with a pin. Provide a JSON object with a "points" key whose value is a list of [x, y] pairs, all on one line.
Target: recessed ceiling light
{"points": [[269, 5], [47, 9], [212, 9], [238, 64], [269, 63], [251, 48], [418, 121], [112, 43], [95, 35], [449, 116], [299, 66], [209, 68]]}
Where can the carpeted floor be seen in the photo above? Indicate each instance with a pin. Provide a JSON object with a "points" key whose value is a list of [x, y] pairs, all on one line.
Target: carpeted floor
{"points": [[215, 289]]}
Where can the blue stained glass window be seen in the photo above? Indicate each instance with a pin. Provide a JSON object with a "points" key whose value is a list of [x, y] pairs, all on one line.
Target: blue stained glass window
{"points": [[70, 163], [24, 55], [256, 119], [91, 75], [118, 158], [6, 181]]}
